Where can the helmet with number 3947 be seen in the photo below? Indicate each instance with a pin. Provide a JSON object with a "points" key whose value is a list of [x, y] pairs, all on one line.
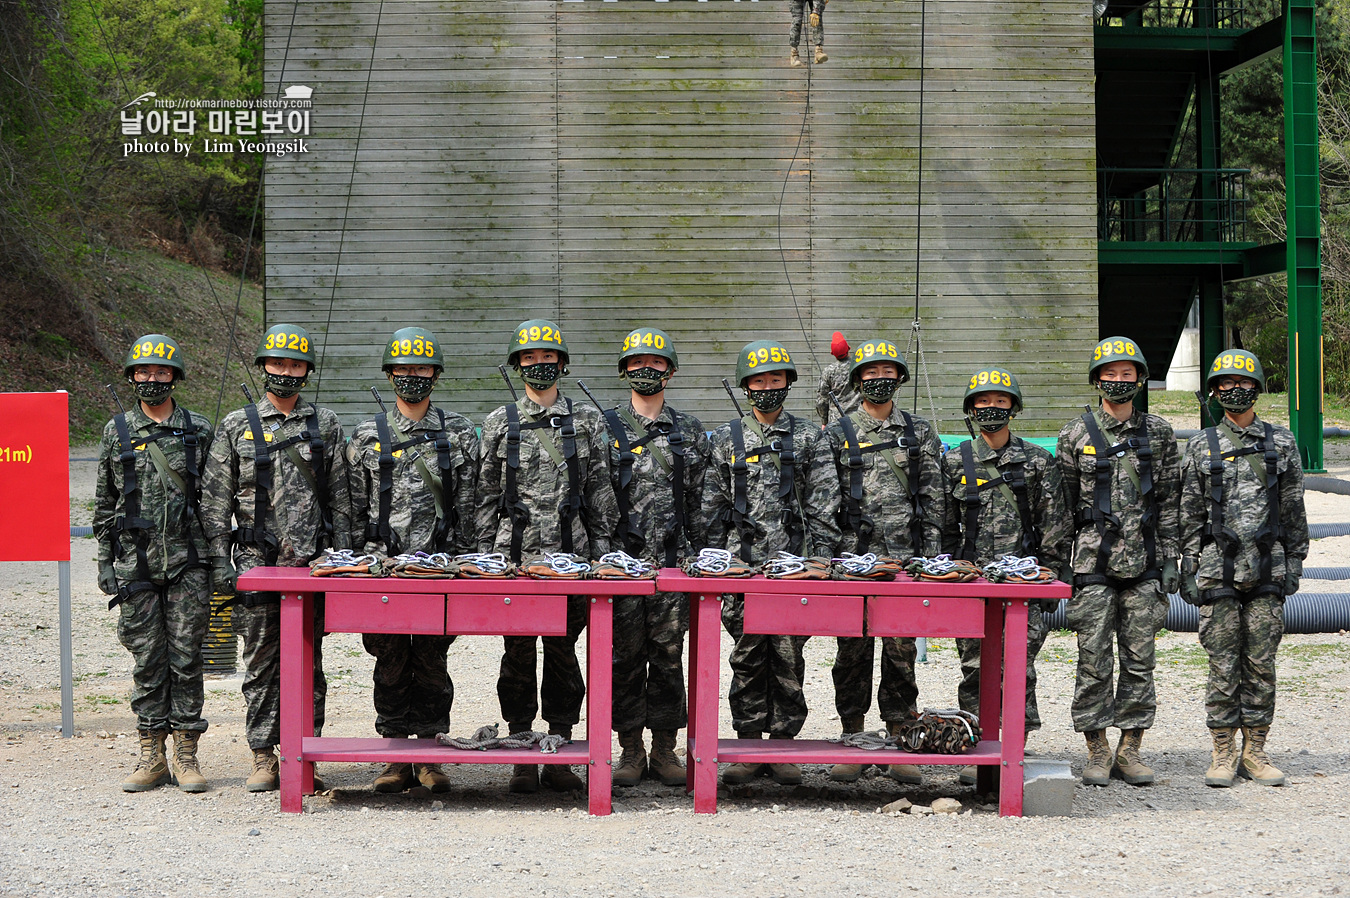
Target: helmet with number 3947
{"points": [[286, 341], [155, 349], [1116, 349], [763, 357], [993, 380]]}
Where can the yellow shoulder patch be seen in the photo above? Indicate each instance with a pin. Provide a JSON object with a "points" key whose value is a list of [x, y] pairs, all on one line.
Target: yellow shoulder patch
{"points": [[267, 437], [1089, 449]]}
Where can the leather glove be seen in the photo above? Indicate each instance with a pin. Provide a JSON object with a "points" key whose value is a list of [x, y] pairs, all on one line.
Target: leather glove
{"points": [[1171, 577], [223, 576], [1190, 592], [107, 578]]}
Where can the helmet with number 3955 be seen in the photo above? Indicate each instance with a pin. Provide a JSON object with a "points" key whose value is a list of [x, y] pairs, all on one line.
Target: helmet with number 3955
{"points": [[875, 349], [1116, 349], [286, 341], [763, 357], [537, 333], [1236, 363], [155, 349], [412, 346], [991, 380]]}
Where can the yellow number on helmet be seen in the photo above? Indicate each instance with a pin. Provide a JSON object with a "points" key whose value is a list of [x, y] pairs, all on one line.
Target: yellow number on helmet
{"points": [[1118, 346], [750, 360], [1251, 365], [973, 382], [647, 339], [171, 352], [1097, 354], [984, 378], [776, 354], [786, 357], [659, 342], [534, 333]]}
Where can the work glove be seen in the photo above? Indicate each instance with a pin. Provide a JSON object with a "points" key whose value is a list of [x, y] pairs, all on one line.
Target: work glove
{"points": [[223, 576], [107, 578], [1171, 577], [1290, 582], [1190, 592]]}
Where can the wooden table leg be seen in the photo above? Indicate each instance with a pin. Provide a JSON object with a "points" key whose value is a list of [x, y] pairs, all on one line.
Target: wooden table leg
{"points": [[297, 698], [599, 707]]}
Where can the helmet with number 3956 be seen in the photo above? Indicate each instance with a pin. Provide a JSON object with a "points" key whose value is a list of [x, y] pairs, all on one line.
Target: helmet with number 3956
{"points": [[1236, 363]]}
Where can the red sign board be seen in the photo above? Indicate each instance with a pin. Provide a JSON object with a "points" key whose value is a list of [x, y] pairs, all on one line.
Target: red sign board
{"points": [[34, 477]]}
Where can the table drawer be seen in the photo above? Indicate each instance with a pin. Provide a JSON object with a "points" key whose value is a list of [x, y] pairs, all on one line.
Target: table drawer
{"points": [[914, 616], [797, 615], [507, 615], [384, 612]]}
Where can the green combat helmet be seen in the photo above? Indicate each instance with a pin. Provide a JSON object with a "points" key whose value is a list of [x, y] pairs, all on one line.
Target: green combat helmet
{"points": [[537, 333], [1236, 363], [988, 380], [876, 349], [762, 357], [648, 341], [286, 341], [1116, 349], [155, 349], [412, 346]]}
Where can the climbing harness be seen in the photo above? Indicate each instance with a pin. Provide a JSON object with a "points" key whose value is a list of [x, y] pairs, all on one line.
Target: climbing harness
{"points": [[511, 503], [786, 566], [484, 565], [446, 517], [345, 563], [622, 566], [556, 566], [1224, 537], [716, 563]]}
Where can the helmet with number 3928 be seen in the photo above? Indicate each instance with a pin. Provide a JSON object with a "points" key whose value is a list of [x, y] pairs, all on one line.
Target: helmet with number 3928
{"points": [[286, 341]]}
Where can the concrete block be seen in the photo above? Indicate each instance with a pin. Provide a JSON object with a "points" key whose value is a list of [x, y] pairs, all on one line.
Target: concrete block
{"points": [[1047, 788]]}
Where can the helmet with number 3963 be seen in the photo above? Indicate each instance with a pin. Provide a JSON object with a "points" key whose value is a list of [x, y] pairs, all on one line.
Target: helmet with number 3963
{"points": [[991, 380]]}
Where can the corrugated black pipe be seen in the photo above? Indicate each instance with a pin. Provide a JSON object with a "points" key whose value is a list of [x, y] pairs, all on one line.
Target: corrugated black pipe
{"points": [[1305, 612], [1322, 531], [1186, 433], [1327, 485]]}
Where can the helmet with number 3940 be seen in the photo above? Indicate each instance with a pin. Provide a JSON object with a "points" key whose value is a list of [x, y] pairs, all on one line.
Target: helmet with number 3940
{"points": [[155, 349], [876, 349], [991, 380], [648, 341], [1116, 349], [286, 341], [412, 346], [763, 357], [1236, 363]]}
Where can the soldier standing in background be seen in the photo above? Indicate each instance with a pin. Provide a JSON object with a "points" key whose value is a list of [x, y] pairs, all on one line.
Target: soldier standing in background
{"points": [[1121, 475], [544, 486], [888, 470], [1244, 535], [835, 381], [413, 474], [657, 462], [278, 469], [817, 17], [763, 496], [152, 559]]}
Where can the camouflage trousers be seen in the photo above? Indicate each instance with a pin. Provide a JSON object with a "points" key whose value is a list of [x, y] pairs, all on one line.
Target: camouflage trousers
{"points": [[1131, 618], [798, 13], [766, 677], [260, 626], [648, 661], [413, 689], [562, 687], [163, 629], [898, 693], [1241, 638], [968, 693]]}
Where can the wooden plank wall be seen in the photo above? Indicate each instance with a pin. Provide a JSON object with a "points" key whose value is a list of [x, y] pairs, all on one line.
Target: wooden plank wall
{"points": [[607, 163]]}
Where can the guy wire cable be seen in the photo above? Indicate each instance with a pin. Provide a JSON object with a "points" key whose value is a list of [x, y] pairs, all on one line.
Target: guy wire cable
{"points": [[915, 335], [782, 254], [347, 205]]}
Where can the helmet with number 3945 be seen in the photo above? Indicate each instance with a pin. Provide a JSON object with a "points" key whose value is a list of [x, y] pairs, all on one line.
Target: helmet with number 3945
{"points": [[412, 346], [1116, 349], [763, 357], [1236, 363], [286, 341], [155, 349], [991, 380], [648, 341], [875, 349], [537, 333]]}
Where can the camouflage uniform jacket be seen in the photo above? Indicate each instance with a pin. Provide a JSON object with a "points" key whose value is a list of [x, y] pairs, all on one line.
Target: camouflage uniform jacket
{"points": [[412, 505], [1245, 506], [294, 516], [767, 516], [999, 525], [542, 484], [1077, 464], [651, 496], [885, 500], [161, 499], [835, 380]]}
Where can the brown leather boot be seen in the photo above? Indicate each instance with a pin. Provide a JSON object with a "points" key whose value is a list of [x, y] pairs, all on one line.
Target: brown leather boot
{"points": [[1256, 764], [524, 779], [1098, 769], [905, 774], [1223, 764], [432, 777], [152, 768], [664, 764], [848, 773], [560, 777], [633, 761], [184, 769], [744, 772], [266, 773], [785, 774], [1129, 765], [395, 777]]}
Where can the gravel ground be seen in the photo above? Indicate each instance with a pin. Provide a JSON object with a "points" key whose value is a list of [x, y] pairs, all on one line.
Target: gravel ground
{"points": [[67, 829]]}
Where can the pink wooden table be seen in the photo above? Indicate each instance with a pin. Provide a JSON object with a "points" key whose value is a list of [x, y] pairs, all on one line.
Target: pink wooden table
{"points": [[993, 612], [438, 607]]}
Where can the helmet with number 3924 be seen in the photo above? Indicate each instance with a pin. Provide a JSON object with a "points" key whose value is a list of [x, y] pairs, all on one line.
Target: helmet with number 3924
{"points": [[991, 380], [155, 349], [537, 333], [412, 346], [286, 341], [764, 357], [875, 349], [1236, 363], [1116, 349]]}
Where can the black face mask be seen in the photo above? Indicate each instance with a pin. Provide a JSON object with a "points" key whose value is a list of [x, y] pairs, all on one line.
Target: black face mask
{"points": [[412, 388], [646, 381], [283, 386], [541, 376], [1119, 391], [767, 400], [1237, 399], [879, 390], [152, 392], [991, 418]]}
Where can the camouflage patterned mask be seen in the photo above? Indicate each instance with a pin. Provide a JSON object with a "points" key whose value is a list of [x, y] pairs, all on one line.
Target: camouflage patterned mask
{"points": [[768, 400], [411, 388], [1119, 391], [152, 392], [879, 390], [541, 376], [646, 381], [991, 418], [1237, 399], [283, 386]]}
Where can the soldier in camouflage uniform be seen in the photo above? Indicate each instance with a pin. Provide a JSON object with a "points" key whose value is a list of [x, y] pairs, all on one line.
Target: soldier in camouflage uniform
{"points": [[1244, 535], [278, 469], [413, 474], [887, 464], [799, 8], [544, 486], [1005, 496], [762, 463], [152, 559], [657, 461], [835, 381], [1121, 475]]}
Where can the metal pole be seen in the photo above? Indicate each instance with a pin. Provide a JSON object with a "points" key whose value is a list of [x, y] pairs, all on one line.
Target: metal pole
{"points": [[921, 646], [67, 666]]}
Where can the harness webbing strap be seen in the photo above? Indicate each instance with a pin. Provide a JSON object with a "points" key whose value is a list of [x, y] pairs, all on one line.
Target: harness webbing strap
{"points": [[512, 505], [1224, 537], [379, 529], [264, 474], [740, 506], [1108, 524], [628, 530], [854, 518], [131, 520], [1012, 484]]}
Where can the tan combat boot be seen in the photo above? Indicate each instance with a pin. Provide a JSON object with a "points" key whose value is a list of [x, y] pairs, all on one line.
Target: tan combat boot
{"points": [[266, 771], [185, 770], [794, 60], [905, 774], [152, 769], [664, 764], [785, 774], [559, 777], [848, 773], [1129, 765], [820, 54], [1256, 764], [394, 777], [633, 761], [432, 777], [1098, 769], [1223, 763], [744, 772]]}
